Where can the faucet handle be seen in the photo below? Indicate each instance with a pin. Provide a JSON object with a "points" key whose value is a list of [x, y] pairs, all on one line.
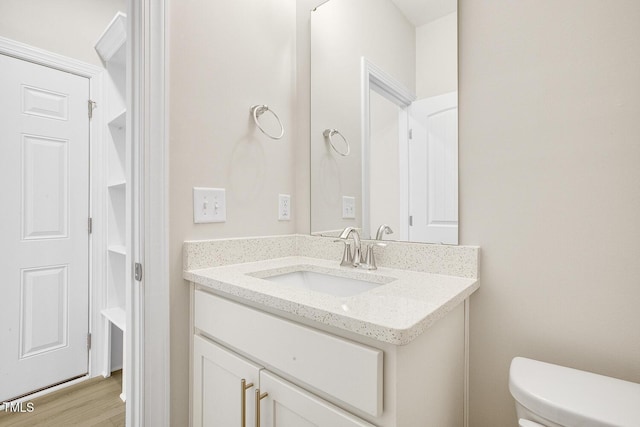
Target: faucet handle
{"points": [[370, 259], [347, 255]]}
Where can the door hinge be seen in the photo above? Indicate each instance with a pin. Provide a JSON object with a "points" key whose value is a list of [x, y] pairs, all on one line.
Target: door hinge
{"points": [[90, 225], [88, 341], [91, 106], [410, 220], [137, 271], [410, 133]]}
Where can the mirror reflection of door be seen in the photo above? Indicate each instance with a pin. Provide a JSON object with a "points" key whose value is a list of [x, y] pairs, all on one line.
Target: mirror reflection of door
{"points": [[433, 169], [413, 168]]}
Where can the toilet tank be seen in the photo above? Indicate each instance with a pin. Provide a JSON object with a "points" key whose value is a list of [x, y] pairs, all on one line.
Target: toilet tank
{"points": [[569, 397]]}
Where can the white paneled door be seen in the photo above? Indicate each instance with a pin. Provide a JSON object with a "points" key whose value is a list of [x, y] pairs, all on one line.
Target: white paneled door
{"points": [[44, 241], [433, 169]]}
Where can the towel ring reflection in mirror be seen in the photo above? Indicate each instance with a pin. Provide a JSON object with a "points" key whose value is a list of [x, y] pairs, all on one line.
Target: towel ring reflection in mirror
{"points": [[329, 133], [257, 111]]}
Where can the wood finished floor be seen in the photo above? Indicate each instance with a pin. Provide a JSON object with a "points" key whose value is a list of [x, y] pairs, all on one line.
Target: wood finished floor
{"points": [[95, 402]]}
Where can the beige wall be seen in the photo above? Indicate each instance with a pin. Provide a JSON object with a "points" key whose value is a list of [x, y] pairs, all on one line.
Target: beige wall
{"points": [[437, 56], [225, 57], [66, 27], [550, 188]]}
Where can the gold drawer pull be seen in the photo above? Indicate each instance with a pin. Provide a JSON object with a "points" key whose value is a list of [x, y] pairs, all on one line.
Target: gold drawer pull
{"points": [[259, 397], [243, 399]]}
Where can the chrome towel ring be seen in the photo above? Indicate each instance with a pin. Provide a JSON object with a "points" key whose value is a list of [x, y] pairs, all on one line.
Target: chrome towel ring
{"points": [[328, 133], [257, 111]]}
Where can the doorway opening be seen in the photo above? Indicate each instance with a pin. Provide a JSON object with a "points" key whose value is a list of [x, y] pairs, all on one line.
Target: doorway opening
{"points": [[147, 348], [68, 211]]}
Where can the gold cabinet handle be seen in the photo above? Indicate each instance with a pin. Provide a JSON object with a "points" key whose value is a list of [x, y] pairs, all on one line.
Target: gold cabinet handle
{"points": [[243, 400], [259, 397]]}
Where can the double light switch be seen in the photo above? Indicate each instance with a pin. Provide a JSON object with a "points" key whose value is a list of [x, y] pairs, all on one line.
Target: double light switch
{"points": [[209, 205]]}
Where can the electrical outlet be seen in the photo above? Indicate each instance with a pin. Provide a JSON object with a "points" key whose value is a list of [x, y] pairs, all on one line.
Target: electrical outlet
{"points": [[209, 205], [348, 207], [284, 207]]}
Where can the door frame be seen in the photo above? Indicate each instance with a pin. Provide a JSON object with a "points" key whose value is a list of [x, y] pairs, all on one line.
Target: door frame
{"points": [[148, 328], [97, 197]]}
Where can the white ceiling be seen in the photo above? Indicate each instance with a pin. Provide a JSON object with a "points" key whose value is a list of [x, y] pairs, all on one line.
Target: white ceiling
{"points": [[419, 12]]}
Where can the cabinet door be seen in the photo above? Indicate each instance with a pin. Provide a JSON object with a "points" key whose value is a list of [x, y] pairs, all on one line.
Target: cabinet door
{"points": [[289, 406], [217, 386]]}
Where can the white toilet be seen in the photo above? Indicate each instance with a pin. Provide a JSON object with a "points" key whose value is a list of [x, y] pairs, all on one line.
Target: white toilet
{"points": [[554, 396]]}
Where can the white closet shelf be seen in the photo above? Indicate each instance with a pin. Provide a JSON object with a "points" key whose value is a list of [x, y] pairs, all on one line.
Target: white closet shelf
{"points": [[111, 42], [112, 49], [116, 316], [117, 249], [117, 185], [120, 120]]}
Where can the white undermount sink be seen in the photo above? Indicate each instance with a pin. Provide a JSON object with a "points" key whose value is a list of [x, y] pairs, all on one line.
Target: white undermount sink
{"points": [[325, 283]]}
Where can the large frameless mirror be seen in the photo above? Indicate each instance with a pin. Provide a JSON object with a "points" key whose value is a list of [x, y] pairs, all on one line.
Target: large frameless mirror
{"points": [[384, 118]]}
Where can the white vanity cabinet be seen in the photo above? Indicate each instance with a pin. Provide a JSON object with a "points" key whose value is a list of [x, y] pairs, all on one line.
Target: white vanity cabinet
{"points": [[316, 376], [226, 387]]}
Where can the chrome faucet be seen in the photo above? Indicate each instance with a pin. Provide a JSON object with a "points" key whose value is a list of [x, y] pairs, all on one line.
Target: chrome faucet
{"points": [[349, 258], [382, 230]]}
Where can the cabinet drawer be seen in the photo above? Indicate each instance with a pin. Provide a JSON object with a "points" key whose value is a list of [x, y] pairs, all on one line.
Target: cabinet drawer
{"points": [[343, 369]]}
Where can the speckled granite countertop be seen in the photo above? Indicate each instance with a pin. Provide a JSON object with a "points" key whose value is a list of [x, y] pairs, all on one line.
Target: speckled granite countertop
{"points": [[401, 308]]}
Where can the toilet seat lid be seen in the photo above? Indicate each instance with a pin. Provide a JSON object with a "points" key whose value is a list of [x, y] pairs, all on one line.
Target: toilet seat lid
{"points": [[571, 397]]}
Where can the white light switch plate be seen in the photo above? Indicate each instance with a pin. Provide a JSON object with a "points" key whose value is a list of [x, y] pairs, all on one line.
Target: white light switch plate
{"points": [[348, 207], [209, 205], [284, 207]]}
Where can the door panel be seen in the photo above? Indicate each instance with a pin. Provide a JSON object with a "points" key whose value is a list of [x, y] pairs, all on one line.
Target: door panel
{"points": [[44, 241], [45, 103], [43, 324], [45, 187]]}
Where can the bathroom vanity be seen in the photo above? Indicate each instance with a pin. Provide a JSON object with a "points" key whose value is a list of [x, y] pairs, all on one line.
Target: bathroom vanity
{"points": [[272, 349]]}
